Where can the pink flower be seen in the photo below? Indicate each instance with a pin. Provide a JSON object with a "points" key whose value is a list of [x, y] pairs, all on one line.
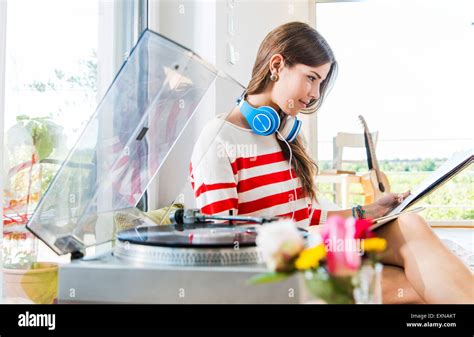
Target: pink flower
{"points": [[362, 229], [343, 257]]}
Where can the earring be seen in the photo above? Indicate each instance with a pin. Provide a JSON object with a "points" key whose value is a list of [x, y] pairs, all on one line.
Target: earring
{"points": [[274, 77]]}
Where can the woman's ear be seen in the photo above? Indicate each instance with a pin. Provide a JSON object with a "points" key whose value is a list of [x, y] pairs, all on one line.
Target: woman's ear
{"points": [[277, 62]]}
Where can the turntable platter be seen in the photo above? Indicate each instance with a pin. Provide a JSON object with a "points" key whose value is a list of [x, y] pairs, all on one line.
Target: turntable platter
{"points": [[208, 237], [206, 244], [210, 246]]}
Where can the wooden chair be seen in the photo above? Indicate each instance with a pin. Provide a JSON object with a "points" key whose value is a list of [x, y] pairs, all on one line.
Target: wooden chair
{"points": [[340, 178]]}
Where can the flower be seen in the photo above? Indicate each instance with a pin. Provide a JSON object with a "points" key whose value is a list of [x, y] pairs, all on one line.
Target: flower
{"points": [[310, 258], [343, 257], [332, 268], [362, 229], [374, 245], [280, 243]]}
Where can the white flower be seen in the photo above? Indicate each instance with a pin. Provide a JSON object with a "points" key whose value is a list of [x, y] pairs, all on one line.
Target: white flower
{"points": [[279, 242]]}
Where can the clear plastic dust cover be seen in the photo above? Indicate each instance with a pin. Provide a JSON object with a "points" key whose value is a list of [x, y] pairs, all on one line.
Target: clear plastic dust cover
{"points": [[143, 129]]}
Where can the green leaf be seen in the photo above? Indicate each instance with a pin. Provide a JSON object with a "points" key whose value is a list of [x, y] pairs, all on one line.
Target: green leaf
{"points": [[268, 277], [43, 140], [46, 135], [333, 290]]}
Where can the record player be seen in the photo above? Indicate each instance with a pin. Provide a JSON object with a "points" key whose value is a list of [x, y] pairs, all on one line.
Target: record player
{"points": [[138, 141], [193, 239]]}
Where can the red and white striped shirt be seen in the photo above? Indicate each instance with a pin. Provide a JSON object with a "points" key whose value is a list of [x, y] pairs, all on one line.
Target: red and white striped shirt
{"points": [[232, 168]]}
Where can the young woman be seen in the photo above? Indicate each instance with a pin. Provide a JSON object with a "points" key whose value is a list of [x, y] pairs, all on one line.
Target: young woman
{"points": [[255, 166]]}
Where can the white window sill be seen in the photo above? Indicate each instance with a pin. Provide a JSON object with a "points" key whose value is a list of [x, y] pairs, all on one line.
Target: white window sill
{"points": [[451, 223]]}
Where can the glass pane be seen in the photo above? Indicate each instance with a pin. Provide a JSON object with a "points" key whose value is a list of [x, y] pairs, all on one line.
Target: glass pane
{"points": [[406, 66], [51, 77], [412, 82], [54, 76]]}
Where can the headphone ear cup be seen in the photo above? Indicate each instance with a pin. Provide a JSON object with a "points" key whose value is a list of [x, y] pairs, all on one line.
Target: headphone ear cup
{"points": [[264, 120], [262, 116], [291, 129], [296, 130]]}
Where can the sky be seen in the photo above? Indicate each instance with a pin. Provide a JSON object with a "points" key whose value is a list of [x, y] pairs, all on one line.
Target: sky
{"points": [[407, 67]]}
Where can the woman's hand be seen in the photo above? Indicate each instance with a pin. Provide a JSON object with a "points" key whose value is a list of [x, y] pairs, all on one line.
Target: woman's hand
{"points": [[385, 204]]}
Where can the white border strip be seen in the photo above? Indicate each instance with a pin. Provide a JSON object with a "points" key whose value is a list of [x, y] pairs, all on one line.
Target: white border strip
{"points": [[3, 38]]}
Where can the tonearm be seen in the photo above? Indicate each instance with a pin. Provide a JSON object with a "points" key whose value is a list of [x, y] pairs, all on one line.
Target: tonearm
{"points": [[193, 218]]}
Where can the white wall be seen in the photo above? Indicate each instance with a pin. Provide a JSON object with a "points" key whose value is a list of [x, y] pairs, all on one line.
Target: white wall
{"points": [[253, 20], [203, 26], [189, 22], [3, 26]]}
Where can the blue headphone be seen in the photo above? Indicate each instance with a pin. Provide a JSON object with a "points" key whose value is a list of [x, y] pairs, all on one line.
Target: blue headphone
{"points": [[265, 121]]}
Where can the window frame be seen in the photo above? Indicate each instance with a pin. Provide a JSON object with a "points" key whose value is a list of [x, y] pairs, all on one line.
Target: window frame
{"points": [[3, 35], [124, 21], [115, 21]]}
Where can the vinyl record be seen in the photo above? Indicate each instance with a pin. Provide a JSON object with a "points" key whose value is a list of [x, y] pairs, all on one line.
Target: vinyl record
{"points": [[208, 237]]}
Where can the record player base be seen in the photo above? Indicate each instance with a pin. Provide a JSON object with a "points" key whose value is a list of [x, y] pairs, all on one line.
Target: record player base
{"points": [[110, 280]]}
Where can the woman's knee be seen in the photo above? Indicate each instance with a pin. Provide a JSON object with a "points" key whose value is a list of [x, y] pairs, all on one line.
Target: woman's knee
{"points": [[413, 226], [407, 228]]}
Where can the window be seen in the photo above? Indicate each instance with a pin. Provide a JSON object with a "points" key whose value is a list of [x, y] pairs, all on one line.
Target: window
{"points": [[61, 57], [407, 67]]}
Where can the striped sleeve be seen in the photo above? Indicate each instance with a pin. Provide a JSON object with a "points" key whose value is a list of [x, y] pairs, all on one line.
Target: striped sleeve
{"points": [[317, 215], [213, 180]]}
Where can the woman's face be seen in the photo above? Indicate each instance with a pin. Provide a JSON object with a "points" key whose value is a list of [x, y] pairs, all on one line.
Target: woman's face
{"points": [[297, 86]]}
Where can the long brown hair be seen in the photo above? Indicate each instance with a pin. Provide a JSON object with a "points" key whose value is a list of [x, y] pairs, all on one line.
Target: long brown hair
{"points": [[298, 43]]}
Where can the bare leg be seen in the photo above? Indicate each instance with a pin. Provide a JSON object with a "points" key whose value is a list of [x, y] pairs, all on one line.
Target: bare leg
{"points": [[396, 289], [435, 273]]}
